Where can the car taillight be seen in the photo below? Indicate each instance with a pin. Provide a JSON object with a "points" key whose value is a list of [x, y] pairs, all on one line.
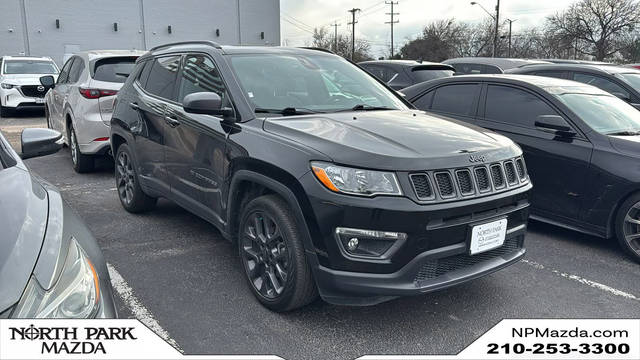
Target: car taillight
{"points": [[96, 93]]}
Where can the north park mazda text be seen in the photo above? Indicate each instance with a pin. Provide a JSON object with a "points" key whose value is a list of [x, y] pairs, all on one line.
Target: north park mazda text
{"points": [[327, 180]]}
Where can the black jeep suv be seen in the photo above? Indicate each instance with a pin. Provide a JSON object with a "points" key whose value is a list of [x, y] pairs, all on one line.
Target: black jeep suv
{"points": [[327, 181]]}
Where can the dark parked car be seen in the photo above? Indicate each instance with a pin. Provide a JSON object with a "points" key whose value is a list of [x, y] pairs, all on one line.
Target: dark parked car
{"points": [[50, 264], [581, 145], [620, 81], [326, 179], [487, 65], [399, 74]]}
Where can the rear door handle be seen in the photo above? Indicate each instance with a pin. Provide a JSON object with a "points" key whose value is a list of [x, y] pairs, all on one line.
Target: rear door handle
{"points": [[172, 121], [134, 106]]}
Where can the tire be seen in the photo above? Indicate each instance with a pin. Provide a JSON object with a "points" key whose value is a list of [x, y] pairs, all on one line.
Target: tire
{"points": [[131, 196], [627, 226], [5, 111], [47, 116], [81, 163], [273, 257]]}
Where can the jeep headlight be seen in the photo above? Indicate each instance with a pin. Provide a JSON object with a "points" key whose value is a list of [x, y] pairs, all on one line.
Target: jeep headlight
{"points": [[356, 181], [6, 86], [75, 294]]}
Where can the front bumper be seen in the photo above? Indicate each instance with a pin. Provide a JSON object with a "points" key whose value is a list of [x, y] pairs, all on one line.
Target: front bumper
{"points": [[434, 254], [14, 98]]}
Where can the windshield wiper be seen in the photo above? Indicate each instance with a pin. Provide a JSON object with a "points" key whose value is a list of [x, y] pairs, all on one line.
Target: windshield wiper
{"points": [[624, 133], [365, 107], [288, 111]]}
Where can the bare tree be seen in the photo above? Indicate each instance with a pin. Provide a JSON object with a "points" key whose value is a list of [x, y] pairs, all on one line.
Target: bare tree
{"points": [[322, 38], [600, 24]]}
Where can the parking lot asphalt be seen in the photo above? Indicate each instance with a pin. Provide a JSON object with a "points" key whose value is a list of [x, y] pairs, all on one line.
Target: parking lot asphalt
{"points": [[188, 278]]}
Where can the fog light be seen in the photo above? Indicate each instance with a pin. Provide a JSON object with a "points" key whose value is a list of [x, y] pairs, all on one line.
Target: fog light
{"points": [[368, 243], [353, 244]]}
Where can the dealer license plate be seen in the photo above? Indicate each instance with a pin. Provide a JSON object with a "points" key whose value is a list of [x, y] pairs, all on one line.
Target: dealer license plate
{"points": [[487, 236]]}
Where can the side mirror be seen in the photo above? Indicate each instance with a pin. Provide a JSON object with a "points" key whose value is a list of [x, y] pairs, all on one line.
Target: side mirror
{"points": [[39, 142], [208, 103], [554, 123], [48, 81]]}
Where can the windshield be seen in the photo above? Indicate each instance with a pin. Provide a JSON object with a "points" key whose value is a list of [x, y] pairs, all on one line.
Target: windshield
{"points": [[316, 83], [603, 113], [426, 75], [633, 79], [29, 67]]}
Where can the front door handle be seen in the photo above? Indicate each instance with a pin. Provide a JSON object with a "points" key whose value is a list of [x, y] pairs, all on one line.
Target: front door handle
{"points": [[172, 121], [134, 106]]}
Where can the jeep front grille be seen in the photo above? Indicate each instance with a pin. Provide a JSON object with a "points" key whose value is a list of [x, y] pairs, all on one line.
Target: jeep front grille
{"points": [[453, 184]]}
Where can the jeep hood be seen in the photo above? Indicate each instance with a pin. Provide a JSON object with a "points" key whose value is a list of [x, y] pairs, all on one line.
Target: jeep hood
{"points": [[24, 209], [393, 140]]}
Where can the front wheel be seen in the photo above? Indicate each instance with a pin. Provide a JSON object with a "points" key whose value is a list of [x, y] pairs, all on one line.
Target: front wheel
{"points": [[273, 256], [628, 226], [132, 198]]}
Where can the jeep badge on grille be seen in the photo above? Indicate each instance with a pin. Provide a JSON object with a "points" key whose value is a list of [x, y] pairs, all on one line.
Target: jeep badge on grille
{"points": [[477, 158]]}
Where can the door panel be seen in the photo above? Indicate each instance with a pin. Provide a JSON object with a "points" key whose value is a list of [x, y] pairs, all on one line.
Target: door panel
{"points": [[57, 98], [558, 166], [195, 143]]}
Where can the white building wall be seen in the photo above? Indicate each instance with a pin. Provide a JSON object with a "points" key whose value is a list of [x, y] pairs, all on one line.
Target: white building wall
{"points": [[142, 24]]}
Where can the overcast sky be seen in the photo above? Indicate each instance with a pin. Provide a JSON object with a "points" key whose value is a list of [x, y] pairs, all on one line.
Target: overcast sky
{"points": [[299, 17]]}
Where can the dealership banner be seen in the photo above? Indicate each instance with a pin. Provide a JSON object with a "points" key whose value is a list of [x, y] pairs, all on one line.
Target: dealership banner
{"points": [[509, 339]]}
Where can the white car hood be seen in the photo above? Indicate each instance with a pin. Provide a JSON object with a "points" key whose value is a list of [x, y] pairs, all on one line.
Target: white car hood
{"points": [[23, 79]]}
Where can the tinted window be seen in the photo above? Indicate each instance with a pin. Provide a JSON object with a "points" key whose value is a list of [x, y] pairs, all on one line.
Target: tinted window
{"points": [[490, 69], [456, 99], [514, 106], [162, 78], [114, 69], [602, 83], [382, 72], [144, 74], [553, 74], [64, 74], [424, 101], [76, 70], [426, 75], [200, 74]]}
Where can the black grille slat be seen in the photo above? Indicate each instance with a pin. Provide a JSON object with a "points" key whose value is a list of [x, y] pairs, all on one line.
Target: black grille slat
{"points": [[520, 168], [510, 171], [32, 91], [482, 179], [439, 267], [422, 186], [465, 182], [445, 184], [497, 176]]}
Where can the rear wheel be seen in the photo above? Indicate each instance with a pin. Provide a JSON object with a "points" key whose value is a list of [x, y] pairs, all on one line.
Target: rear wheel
{"points": [[81, 163], [47, 116], [628, 226], [273, 256], [132, 198]]}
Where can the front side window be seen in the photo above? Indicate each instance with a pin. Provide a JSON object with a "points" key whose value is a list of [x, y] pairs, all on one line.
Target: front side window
{"points": [[163, 75], [38, 67], [514, 106], [319, 83], [456, 99], [602, 83], [199, 74], [603, 113]]}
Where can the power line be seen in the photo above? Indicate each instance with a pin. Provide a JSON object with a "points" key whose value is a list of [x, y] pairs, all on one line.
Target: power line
{"points": [[298, 26], [301, 23]]}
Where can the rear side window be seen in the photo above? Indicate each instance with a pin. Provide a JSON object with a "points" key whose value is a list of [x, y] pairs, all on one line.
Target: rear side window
{"points": [[553, 74], [514, 106], [381, 72], [76, 70], [456, 99], [602, 83], [114, 69], [163, 75], [424, 101]]}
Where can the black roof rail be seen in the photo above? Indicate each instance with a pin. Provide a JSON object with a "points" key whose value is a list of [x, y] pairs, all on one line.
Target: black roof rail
{"points": [[317, 49], [201, 42]]}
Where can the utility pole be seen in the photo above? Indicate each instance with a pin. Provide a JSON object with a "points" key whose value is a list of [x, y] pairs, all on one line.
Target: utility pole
{"points": [[495, 38], [392, 3], [510, 22], [335, 36], [353, 30]]}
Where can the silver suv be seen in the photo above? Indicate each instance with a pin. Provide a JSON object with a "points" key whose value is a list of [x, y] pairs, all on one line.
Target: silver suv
{"points": [[19, 82], [80, 102]]}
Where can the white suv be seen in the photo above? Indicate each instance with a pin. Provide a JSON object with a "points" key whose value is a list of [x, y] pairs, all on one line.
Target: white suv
{"points": [[80, 103], [20, 82]]}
